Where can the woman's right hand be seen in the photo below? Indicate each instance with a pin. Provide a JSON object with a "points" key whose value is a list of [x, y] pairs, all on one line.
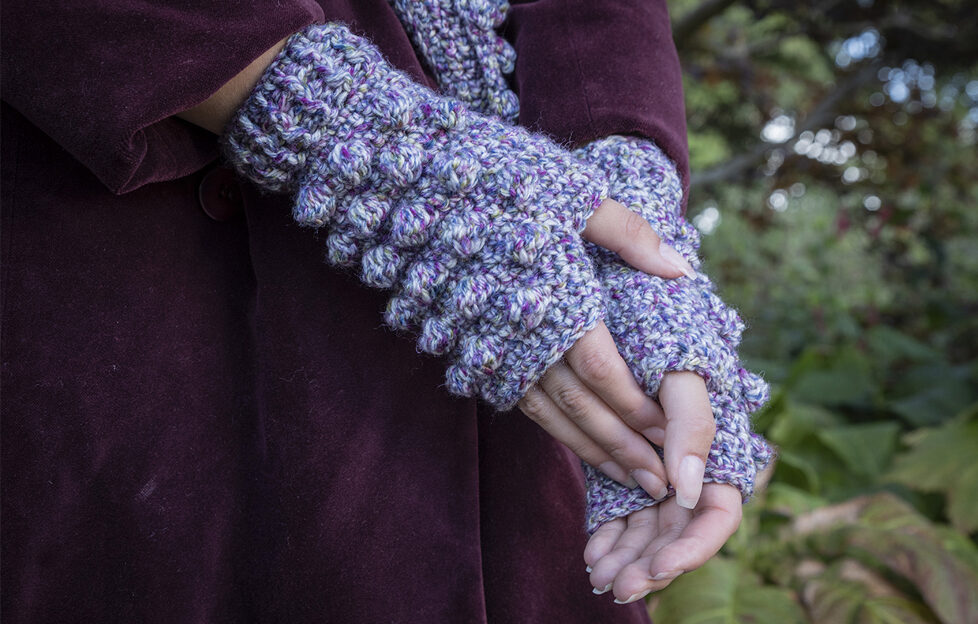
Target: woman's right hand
{"points": [[649, 548], [591, 402]]}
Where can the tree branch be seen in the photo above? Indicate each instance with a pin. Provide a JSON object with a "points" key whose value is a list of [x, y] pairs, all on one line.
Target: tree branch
{"points": [[823, 112]]}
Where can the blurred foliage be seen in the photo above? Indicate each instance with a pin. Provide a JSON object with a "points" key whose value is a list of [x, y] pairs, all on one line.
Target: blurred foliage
{"points": [[835, 183]]}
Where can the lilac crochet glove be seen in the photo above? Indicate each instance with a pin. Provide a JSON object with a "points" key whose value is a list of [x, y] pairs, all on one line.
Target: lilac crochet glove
{"points": [[472, 223], [469, 60], [672, 325]]}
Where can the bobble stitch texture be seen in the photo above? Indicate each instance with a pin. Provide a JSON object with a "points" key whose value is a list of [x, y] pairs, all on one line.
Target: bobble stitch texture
{"points": [[689, 327], [442, 205]]}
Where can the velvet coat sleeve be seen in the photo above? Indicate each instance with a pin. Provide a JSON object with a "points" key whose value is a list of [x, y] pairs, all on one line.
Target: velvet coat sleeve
{"points": [[103, 79], [586, 69]]}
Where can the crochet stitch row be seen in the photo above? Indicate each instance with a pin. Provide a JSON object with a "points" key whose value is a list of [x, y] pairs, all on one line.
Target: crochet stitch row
{"points": [[469, 60], [473, 223], [670, 325], [659, 325]]}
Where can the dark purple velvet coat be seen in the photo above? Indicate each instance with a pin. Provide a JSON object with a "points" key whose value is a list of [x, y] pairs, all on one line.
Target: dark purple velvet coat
{"points": [[201, 421]]}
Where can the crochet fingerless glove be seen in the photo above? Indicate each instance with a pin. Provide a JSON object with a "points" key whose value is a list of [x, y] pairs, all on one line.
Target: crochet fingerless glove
{"points": [[472, 223], [672, 325], [469, 60]]}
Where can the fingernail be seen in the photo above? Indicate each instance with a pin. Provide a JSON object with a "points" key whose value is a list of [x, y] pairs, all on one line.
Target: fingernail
{"points": [[602, 591], [677, 261], [656, 435], [689, 483], [661, 576], [650, 483], [617, 473], [634, 597], [588, 569]]}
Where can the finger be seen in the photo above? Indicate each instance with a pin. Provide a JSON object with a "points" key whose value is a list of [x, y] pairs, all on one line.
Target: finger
{"points": [[714, 520], [618, 229], [595, 359], [603, 540], [593, 416], [673, 519], [634, 579], [542, 410], [655, 435], [689, 433], [640, 529]]}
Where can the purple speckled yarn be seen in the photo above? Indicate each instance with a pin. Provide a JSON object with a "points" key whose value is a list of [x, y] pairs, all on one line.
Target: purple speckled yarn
{"points": [[473, 223], [669, 325], [469, 60], [659, 325]]}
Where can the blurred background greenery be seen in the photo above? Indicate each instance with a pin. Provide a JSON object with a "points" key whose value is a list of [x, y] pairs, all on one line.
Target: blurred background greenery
{"points": [[833, 145]]}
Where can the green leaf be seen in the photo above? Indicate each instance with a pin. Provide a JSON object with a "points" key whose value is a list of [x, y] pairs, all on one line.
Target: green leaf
{"points": [[942, 460], [896, 536], [842, 378], [707, 149], [947, 585], [889, 345], [866, 449], [962, 503], [887, 534], [935, 394], [894, 610], [791, 501], [834, 600], [960, 545], [796, 470], [723, 592], [797, 422], [802, 52]]}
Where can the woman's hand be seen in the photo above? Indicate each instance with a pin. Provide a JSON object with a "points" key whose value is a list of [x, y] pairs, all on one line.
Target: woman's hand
{"points": [[591, 402], [647, 550]]}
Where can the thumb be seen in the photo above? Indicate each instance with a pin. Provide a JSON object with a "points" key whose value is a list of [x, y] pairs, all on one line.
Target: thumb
{"points": [[689, 433], [618, 229]]}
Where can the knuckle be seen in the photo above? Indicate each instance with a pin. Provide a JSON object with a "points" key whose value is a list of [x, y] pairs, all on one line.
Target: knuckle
{"points": [[705, 428], [534, 407], [699, 429], [583, 450], [596, 367], [573, 400], [612, 527], [617, 447], [636, 227], [636, 414]]}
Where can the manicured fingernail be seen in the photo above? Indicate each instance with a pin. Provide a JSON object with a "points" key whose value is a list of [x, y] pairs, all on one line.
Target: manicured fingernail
{"points": [[617, 473], [661, 576], [656, 435], [634, 597], [650, 483], [677, 261], [588, 569], [689, 483], [602, 591]]}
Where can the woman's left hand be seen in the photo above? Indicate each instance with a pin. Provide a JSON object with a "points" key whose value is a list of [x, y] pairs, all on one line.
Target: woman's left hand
{"points": [[646, 550]]}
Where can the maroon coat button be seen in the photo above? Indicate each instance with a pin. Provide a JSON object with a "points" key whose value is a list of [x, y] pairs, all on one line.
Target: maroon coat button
{"points": [[220, 194]]}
